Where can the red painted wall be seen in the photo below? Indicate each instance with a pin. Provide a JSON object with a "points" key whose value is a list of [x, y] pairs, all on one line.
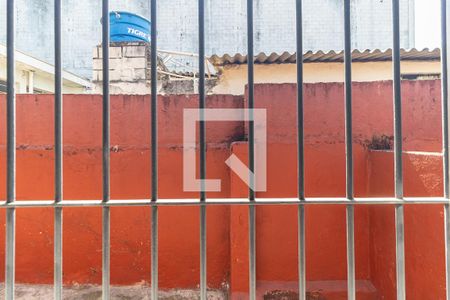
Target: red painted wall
{"points": [[424, 230], [227, 235], [130, 179]]}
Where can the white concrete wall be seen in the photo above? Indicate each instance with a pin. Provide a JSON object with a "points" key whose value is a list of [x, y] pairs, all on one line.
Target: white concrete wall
{"points": [[225, 25]]}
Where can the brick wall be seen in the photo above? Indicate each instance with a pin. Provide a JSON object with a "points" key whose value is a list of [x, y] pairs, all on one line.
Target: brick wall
{"points": [[129, 68], [129, 72]]}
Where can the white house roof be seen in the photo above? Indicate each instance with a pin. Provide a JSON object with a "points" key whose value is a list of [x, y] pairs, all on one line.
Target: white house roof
{"points": [[331, 56], [33, 64]]}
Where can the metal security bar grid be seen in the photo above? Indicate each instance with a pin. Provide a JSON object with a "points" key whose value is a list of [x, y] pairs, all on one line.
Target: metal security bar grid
{"points": [[349, 201]]}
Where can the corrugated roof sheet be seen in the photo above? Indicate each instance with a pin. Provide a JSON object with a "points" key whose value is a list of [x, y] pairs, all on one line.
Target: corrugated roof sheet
{"points": [[331, 56]]}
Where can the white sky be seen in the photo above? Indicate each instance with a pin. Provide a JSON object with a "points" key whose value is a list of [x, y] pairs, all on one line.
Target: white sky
{"points": [[428, 18]]}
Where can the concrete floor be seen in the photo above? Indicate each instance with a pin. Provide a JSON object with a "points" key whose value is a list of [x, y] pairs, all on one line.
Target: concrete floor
{"points": [[45, 292]]}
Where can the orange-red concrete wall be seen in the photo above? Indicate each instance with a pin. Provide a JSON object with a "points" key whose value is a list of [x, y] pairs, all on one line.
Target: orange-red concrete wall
{"points": [[130, 179], [179, 227], [424, 230]]}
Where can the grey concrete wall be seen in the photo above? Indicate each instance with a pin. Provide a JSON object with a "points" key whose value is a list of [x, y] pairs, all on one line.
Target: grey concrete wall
{"points": [[274, 25], [225, 24], [81, 29]]}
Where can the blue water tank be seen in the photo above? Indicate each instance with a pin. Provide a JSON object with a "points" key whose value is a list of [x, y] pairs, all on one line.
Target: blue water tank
{"points": [[128, 27]]}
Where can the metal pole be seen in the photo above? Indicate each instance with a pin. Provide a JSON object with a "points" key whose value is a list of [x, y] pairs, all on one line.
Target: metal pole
{"points": [[154, 154], [202, 105], [398, 163], [251, 152], [58, 243], [300, 153], [10, 151], [445, 140], [225, 201], [351, 295], [106, 153]]}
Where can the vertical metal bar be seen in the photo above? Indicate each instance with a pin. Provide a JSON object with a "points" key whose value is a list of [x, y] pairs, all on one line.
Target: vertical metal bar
{"points": [[201, 91], [351, 289], [300, 153], [154, 253], [444, 86], [106, 154], [400, 250], [251, 152], [252, 251], [398, 163], [10, 252], [58, 277], [203, 249], [251, 97], [301, 253], [445, 139], [447, 248], [11, 151], [154, 154], [105, 256], [351, 293]]}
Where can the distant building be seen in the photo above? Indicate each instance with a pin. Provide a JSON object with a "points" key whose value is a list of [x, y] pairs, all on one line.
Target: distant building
{"points": [[227, 74], [320, 67], [225, 26], [34, 76]]}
